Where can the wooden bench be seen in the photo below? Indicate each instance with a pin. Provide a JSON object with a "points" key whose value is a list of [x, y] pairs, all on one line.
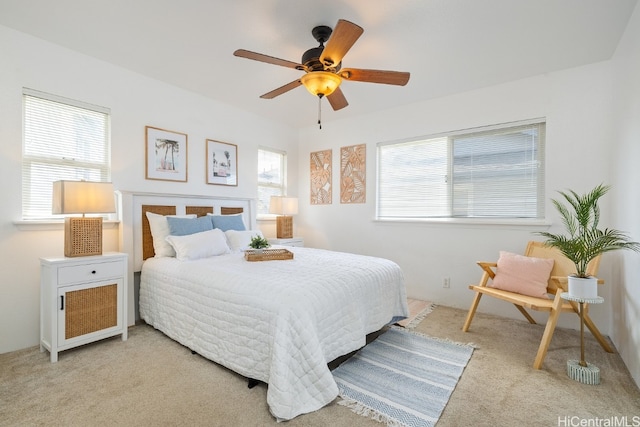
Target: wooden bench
{"points": [[557, 284]]}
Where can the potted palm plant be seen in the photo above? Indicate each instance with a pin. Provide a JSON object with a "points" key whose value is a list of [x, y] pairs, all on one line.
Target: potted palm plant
{"points": [[584, 240]]}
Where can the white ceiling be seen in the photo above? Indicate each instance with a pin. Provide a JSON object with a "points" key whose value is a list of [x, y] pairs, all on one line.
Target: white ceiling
{"points": [[449, 46]]}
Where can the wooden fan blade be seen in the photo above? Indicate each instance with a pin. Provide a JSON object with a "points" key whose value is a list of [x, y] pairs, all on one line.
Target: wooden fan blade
{"points": [[342, 38], [337, 100], [282, 89], [398, 78], [266, 58]]}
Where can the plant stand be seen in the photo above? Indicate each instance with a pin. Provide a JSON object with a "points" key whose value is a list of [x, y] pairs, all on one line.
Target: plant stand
{"points": [[581, 370]]}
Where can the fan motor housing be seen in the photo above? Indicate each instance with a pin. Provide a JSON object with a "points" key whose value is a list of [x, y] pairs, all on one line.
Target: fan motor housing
{"points": [[311, 58]]}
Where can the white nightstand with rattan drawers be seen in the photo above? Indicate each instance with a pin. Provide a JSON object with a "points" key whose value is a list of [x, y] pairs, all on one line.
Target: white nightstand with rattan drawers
{"points": [[82, 299]]}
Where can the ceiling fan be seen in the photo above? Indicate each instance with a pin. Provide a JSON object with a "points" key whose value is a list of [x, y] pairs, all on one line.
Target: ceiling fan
{"points": [[323, 65]]}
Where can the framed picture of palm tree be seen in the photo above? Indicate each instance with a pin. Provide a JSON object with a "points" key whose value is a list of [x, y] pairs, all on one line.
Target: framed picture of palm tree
{"points": [[222, 163], [166, 155]]}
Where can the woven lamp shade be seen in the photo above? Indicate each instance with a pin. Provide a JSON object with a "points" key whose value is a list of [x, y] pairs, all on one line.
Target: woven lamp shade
{"points": [[82, 236], [284, 207]]}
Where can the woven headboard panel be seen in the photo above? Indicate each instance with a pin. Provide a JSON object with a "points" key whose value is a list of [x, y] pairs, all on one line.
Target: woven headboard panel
{"points": [[147, 240]]}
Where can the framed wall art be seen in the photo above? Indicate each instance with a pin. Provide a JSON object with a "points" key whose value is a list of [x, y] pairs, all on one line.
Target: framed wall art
{"points": [[320, 168], [353, 174], [166, 155], [222, 163]]}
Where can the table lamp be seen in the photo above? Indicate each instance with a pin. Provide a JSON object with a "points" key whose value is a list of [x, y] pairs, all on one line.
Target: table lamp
{"points": [[82, 235], [285, 207]]}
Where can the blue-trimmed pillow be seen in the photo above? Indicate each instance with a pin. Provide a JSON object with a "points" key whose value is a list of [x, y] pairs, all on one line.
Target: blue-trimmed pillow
{"points": [[186, 226], [228, 222]]}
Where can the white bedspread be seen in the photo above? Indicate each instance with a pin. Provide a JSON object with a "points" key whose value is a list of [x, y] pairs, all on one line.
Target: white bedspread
{"points": [[280, 322]]}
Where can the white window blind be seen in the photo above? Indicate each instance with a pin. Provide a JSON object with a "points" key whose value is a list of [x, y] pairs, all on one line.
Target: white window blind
{"points": [[63, 140], [495, 172], [271, 177]]}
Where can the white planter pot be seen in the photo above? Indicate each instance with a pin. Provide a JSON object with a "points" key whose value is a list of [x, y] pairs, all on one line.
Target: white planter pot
{"points": [[583, 288]]}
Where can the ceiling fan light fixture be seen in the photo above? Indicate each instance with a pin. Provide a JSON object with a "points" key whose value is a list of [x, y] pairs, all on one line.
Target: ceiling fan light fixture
{"points": [[321, 83]]}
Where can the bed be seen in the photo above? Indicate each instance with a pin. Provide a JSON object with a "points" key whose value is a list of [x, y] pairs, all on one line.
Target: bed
{"points": [[280, 322]]}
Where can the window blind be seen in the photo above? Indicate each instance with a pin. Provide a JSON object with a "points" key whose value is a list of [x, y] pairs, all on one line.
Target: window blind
{"points": [[495, 172], [271, 177], [62, 140]]}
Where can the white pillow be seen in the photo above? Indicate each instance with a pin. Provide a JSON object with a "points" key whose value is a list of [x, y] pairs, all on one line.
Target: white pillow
{"points": [[159, 231], [199, 245], [239, 240]]}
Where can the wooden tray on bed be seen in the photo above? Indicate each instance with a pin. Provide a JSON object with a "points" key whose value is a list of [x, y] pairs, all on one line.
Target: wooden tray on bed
{"points": [[268, 255]]}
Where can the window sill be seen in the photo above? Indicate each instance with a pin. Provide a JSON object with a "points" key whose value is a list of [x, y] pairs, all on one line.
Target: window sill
{"points": [[42, 225], [479, 222]]}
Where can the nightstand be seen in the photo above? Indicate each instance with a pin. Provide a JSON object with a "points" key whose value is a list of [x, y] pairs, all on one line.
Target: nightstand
{"points": [[82, 299], [294, 241]]}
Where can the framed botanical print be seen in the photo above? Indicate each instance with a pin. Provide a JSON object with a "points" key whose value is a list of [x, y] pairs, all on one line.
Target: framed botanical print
{"points": [[222, 163], [166, 154]]}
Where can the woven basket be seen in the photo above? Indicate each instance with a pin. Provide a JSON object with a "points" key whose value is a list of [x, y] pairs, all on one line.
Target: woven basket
{"points": [[268, 255]]}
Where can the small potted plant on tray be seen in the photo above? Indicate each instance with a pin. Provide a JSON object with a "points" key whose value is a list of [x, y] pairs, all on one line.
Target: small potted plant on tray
{"points": [[258, 243], [584, 241]]}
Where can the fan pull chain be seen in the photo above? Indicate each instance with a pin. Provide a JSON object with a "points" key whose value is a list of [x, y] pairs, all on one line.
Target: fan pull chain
{"points": [[320, 111]]}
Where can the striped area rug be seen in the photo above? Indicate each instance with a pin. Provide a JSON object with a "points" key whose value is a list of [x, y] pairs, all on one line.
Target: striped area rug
{"points": [[402, 378]]}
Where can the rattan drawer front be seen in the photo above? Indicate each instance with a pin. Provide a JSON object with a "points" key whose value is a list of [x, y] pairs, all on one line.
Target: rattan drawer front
{"points": [[90, 272], [90, 310]]}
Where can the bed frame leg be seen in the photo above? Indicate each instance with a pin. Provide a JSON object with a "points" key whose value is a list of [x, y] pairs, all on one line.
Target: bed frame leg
{"points": [[253, 383]]}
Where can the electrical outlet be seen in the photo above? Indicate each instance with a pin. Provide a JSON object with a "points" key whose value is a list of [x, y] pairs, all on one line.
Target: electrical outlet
{"points": [[446, 282]]}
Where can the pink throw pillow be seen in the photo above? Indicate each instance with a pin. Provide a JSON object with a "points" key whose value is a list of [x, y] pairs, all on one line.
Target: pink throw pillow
{"points": [[522, 274]]}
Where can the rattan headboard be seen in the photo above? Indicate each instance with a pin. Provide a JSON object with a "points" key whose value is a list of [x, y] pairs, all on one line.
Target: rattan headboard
{"points": [[147, 239], [135, 236]]}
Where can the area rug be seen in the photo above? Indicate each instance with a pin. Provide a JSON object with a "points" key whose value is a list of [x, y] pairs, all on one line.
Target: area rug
{"points": [[418, 310], [402, 378]]}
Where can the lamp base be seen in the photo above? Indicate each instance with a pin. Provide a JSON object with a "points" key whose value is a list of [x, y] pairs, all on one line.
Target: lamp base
{"points": [[82, 236], [284, 227]]}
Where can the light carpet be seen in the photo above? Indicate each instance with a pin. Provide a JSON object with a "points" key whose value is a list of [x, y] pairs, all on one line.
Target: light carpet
{"points": [[402, 378]]}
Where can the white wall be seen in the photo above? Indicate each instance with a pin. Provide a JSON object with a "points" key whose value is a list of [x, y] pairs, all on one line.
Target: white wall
{"points": [[135, 102], [582, 146], [576, 104], [625, 310]]}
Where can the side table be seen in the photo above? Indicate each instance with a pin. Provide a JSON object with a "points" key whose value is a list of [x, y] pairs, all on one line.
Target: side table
{"points": [[294, 241], [581, 370]]}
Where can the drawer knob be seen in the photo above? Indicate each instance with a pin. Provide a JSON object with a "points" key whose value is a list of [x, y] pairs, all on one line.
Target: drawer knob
{"points": [[93, 272]]}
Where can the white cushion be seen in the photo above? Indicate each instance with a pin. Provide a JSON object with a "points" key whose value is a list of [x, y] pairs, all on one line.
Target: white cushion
{"points": [[199, 245], [239, 240], [159, 231]]}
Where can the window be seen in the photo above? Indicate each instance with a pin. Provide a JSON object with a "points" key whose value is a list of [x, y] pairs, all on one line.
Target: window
{"points": [[495, 172], [63, 140], [271, 177]]}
